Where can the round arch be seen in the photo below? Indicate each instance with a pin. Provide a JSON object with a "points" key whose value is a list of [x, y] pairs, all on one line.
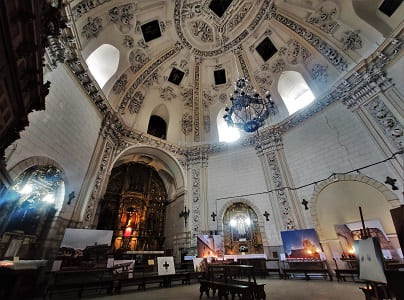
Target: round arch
{"points": [[391, 199], [255, 208], [171, 163]]}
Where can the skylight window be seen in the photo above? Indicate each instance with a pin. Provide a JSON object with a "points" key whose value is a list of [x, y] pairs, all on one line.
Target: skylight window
{"points": [[103, 63], [227, 133], [294, 91]]}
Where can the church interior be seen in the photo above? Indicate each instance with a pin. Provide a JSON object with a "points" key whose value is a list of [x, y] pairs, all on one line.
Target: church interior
{"points": [[184, 149]]}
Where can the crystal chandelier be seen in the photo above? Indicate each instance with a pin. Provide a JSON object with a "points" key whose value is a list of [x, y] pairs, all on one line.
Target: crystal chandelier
{"points": [[248, 111]]}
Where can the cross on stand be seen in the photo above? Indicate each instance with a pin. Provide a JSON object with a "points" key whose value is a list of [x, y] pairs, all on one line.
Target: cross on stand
{"points": [[266, 215], [304, 203], [166, 265], [213, 215]]}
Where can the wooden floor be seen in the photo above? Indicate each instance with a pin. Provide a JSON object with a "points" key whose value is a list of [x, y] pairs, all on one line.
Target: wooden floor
{"points": [[275, 289]]}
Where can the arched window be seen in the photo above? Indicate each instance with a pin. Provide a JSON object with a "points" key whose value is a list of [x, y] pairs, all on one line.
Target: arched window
{"points": [[294, 91], [226, 133], [41, 192], [103, 63], [157, 127]]}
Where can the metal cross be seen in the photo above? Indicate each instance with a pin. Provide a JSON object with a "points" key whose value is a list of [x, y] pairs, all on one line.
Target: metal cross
{"points": [[266, 215], [392, 182], [304, 203], [166, 265], [213, 215]]}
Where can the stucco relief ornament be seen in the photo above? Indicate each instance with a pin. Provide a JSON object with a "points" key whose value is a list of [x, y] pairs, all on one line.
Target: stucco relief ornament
{"points": [[120, 84], [325, 17], [186, 123], [122, 16], [319, 72], [128, 42], [187, 97], [167, 93], [137, 59], [278, 66], [136, 102], [152, 79], [206, 123], [92, 28], [263, 79], [296, 53], [352, 40], [202, 30], [85, 6], [207, 99], [191, 10]]}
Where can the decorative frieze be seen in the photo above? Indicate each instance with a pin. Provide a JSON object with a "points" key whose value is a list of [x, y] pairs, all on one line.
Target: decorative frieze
{"points": [[387, 122], [135, 102], [331, 54], [196, 211], [92, 28], [196, 96], [238, 17]]}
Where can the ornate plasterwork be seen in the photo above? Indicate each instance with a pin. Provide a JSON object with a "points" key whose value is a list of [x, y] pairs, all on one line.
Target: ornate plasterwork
{"points": [[295, 53], [319, 72], [154, 78], [137, 59], [238, 17], [325, 17], [186, 94], [93, 200], [280, 194], [202, 31], [120, 84], [222, 98], [352, 40], [331, 54], [135, 102], [192, 9], [389, 124], [167, 93], [263, 79], [128, 42], [122, 16], [208, 99], [92, 28], [278, 66], [186, 123], [85, 6]]}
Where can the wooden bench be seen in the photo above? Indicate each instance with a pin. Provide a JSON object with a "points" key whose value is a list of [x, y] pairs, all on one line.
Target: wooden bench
{"points": [[257, 289], [225, 288], [80, 287], [307, 273]]}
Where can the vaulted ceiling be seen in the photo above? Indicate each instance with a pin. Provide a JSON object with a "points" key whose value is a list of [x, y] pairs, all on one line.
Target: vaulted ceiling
{"points": [[179, 58]]}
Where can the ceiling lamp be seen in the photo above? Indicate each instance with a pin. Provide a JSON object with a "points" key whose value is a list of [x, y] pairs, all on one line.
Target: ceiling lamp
{"points": [[248, 111]]}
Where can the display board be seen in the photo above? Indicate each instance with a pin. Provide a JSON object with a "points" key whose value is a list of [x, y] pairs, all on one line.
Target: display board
{"points": [[370, 260], [301, 244], [165, 265]]}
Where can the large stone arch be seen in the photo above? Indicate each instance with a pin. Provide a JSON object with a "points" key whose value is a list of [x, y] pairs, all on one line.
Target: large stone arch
{"points": [[389, 196], [261, 222]]}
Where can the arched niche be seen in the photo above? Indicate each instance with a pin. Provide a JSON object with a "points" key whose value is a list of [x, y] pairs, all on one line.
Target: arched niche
{"points": [[103, 63], [294, 91], [159, 122]]}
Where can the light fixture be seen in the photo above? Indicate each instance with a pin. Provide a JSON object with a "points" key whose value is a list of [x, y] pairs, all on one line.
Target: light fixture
{"points": [[26, 189], [248, 111], [233, 222], [49, 198]]}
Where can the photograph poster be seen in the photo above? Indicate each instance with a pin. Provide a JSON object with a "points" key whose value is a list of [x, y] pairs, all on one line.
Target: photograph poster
{"points": [[301, 244]]}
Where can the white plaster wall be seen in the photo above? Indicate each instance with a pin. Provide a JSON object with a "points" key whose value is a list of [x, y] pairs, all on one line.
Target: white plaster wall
{"points": [[66, 131], [234, 173], [333, 140]]}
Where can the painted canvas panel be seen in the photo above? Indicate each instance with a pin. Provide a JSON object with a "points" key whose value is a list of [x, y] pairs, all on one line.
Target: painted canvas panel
{"points": [[85, 248], [301, 244], [371, 260], [350, 232], [165, 265], [200, 264], [210, 246]]}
